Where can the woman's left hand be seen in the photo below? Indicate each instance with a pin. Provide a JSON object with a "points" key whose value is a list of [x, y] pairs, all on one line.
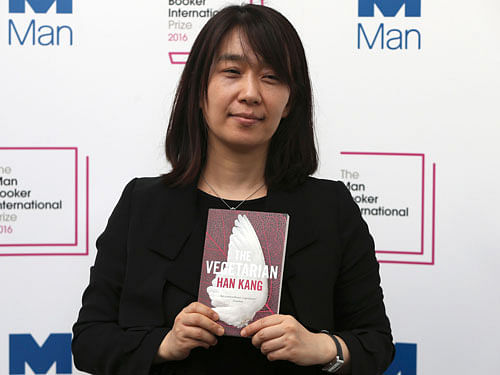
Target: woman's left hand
{"points": [[282, 337]]}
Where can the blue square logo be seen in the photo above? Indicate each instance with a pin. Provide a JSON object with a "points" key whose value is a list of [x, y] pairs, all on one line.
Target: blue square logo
{"points": [[389, 8], [41, 6]]}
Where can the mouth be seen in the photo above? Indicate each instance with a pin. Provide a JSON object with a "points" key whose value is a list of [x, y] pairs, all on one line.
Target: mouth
{"points": [[246, 118]]}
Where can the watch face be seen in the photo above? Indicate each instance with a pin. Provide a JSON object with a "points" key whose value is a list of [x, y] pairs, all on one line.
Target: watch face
{"points": [[333, 366], [336, 363], [336, 366]]}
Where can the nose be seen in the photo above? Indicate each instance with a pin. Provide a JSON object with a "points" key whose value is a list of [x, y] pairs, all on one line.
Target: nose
{"points": [[250, 90]]}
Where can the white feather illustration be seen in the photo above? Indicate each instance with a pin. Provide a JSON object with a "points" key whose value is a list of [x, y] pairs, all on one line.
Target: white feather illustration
{"points": [[237, 306]]}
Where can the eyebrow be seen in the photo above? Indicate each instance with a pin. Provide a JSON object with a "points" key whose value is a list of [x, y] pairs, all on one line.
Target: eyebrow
{"points": [[231, 57], [237, 58]]}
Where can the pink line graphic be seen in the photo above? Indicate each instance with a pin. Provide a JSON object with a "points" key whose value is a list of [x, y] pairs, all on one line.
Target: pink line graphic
{"points": [[178, 57], [421, 251], [433, 254], [75, 243], [76, 208], [76, 197], [87, 205]]}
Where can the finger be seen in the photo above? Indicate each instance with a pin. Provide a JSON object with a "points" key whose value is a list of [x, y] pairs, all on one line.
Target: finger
{"points": [[197, 307], [202, 321], [192, 343], [199, 335], [266, 334], [280, 354], [272, 345], [267, 321]]}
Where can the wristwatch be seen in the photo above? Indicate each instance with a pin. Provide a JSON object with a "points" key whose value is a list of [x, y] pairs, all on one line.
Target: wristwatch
{"points": [[335, 364]]}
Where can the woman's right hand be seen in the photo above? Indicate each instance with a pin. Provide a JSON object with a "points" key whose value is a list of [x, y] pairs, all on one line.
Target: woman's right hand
{"points": [[194, 326]]}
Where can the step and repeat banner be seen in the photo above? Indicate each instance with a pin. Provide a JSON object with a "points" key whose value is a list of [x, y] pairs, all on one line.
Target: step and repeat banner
{"points": [[406, 106]]}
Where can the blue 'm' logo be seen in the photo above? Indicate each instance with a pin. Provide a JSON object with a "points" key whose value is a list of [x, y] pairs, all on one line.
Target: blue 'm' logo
{"points": [[40, 6], [389, 8], [24, 349], [405, 361]]}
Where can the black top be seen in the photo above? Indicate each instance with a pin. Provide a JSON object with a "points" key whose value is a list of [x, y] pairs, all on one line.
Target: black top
{"points": [[147, 269], [231, 354]]}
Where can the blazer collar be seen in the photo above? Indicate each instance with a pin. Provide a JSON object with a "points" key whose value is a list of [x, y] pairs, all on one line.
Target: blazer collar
{"points": [[173, 220], [301, 229], [176, 216]]}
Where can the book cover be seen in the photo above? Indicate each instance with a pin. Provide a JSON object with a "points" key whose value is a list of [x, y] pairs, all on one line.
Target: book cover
{"points": [[242, 268]]}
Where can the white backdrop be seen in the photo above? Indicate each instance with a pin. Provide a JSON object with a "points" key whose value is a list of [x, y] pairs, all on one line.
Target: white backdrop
{"points": [[413, 128]]}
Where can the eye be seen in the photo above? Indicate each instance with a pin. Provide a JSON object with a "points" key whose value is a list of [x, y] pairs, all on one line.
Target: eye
{"points": [[271, 77], [231, 71]]}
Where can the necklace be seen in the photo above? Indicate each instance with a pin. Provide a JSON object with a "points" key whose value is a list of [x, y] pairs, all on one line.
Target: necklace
{"points": [[228, 206]]}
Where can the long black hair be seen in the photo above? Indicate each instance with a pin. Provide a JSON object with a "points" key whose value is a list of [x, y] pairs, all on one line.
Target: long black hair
{"points": [[292, 154]]}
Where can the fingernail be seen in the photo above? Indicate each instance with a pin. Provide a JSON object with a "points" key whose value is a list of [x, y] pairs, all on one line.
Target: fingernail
{"points": [[243, 332], [220, 331]]}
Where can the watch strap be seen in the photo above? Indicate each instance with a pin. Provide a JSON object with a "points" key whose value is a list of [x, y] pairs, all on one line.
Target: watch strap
{"points": [[334, 365]]}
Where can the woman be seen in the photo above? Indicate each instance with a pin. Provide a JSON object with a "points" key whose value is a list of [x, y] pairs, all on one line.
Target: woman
{"points": [[240, 136]]}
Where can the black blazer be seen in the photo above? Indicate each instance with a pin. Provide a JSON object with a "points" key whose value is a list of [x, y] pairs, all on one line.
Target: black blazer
{"points": [[138, 283]]}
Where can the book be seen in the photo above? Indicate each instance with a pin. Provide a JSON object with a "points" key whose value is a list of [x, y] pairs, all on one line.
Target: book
{"points": [[242, 268]]}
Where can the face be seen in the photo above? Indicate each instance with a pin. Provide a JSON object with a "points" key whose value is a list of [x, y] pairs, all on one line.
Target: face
{"points": [[245, 99]]}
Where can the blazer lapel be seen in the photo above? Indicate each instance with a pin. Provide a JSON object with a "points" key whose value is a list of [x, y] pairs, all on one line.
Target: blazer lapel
{"points": [[301, 229], [303, 282], [174, 219]]}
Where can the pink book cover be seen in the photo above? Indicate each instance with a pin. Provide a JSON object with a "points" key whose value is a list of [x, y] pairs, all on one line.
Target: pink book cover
{"points": [[242, 268]]}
